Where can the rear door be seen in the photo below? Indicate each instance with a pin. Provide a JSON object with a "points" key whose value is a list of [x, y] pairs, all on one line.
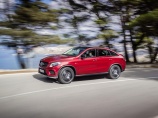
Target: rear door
{"points": [[104, 60]]}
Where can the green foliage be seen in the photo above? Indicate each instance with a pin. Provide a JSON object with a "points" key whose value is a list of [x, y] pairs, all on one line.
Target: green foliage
{"points": [[16, 32], [47, 39], [150, 19], [139, 17], [31, 37], [35, 13], [146, 42], [108, 34], [147, 23], [53, 27], [101, 22], [28, 15]]}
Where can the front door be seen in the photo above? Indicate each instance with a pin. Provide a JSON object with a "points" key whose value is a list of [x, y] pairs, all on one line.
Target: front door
{"points": [[87, 63]]}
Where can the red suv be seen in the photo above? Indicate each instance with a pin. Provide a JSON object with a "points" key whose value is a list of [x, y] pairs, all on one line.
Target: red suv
{"points": [[80, 61]]}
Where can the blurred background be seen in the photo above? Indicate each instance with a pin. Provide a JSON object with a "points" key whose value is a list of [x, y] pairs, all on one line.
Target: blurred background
{"points": [[33, 29]]}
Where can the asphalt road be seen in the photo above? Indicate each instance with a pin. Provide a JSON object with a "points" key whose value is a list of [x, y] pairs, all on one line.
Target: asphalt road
{"points": [[31, 95]]}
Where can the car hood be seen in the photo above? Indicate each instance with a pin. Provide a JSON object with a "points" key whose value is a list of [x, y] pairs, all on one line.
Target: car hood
{"points": [[55, 58]]}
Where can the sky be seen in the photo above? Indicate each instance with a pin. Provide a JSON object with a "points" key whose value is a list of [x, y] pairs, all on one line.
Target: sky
{"points": [[47, 1]]}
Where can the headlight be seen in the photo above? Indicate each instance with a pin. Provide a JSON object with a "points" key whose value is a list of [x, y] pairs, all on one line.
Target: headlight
{"points": [[54, 64]]}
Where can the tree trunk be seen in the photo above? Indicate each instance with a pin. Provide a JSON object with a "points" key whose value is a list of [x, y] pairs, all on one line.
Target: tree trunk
{"points": [[155, 55], [134, 55], [107, 43], [126, 54], [124, 40], [133, 47], [21, 62]]}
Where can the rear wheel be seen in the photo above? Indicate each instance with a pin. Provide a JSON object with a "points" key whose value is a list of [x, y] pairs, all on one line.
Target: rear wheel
{"points": [[114, 72], [66, 75]]}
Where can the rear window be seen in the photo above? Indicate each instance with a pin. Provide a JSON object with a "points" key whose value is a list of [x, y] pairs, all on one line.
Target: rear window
{"points": [[102, 52], [113, 53]]}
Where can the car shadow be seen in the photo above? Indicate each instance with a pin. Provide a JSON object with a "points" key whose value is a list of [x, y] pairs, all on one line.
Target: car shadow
{"points": [[83, 78], [90, 77], [44, 78]]}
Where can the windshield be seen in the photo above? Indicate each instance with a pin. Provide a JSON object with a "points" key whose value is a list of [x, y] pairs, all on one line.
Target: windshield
{"points": [[75, 51]]}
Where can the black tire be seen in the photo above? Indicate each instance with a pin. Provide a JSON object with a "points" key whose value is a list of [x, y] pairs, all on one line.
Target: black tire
{"points": [[114, 72], [66, 75]]}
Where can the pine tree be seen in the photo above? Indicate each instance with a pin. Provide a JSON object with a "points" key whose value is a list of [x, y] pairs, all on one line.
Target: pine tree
{"points": [[24, 18]]}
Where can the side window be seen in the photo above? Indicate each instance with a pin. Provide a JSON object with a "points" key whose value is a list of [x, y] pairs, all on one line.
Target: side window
{"points": [[89, 53], [113, 53], [102, 52]]}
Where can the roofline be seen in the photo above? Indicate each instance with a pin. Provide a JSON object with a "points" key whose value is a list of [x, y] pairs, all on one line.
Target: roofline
{"points": [[101, 47]]}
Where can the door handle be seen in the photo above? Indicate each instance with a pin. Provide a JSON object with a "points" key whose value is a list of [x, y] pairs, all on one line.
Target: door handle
{"points": [[110, 59], [94, 59]]}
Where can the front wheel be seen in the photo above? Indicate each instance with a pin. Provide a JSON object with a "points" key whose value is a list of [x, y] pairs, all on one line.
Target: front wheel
{"points": [[114, 72], [66, 75]]}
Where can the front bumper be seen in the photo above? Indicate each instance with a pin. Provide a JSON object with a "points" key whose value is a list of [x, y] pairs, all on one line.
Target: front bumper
{"points": [[49, 72]]}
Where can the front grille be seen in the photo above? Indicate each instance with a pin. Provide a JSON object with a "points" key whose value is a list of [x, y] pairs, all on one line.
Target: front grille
{"points": [[43, 64]]}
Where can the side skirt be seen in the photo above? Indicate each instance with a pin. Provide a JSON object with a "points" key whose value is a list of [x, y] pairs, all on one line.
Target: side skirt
{"points": [[92, 74]]}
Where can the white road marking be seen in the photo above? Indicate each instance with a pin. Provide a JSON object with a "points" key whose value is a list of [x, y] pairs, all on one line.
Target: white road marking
{"points": [[64, 87], [155, 117]]}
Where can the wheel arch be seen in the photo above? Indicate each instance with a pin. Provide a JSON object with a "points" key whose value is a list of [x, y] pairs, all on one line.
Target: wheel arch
{"points": [[73, 68], [118, 65]]}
